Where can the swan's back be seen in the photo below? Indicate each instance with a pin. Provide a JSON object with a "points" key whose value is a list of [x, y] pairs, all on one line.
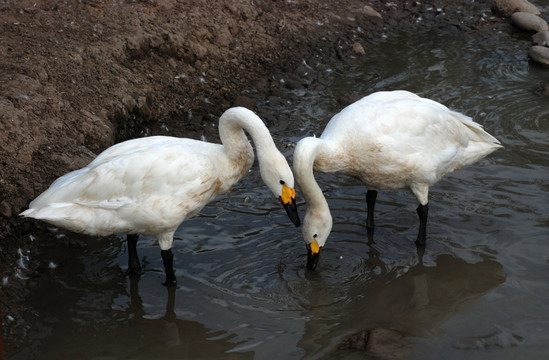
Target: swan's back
{"points": [[392, 139]]}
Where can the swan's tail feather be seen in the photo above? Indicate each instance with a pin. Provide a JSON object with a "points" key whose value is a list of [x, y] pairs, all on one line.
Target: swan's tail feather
{"points": [[476, 131], [78, 218], [481, 143], [64, 189]]}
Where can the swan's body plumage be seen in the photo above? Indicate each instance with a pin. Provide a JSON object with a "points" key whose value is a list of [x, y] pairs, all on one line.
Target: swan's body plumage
{"points": [[151, 185], [388, 140], [392, 140], [143, 186]]}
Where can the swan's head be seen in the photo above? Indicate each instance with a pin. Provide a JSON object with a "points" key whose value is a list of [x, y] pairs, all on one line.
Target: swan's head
{"points": [[317, 225], [278, 177]]}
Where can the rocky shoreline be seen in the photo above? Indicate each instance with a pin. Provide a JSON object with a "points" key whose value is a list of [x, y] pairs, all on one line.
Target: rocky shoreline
{"points": [[527, 17]]}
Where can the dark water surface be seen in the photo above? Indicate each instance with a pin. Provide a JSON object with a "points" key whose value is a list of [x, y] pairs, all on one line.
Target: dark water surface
{"points": [[481, 290]]}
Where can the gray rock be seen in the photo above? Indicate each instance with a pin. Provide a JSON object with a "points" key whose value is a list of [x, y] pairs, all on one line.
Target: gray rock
{"points": [[508, 7], [529, 22], [541, 38], [539, 54]]}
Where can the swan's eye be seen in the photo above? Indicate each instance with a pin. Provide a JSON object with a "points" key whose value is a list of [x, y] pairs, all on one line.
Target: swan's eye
{"points": [[282, 182], [315, 235]]}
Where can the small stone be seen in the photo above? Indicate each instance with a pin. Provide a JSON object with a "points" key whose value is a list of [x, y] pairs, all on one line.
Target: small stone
{"points": [[358, 49], [541, 38], [529, 22], [539, 54], [508, 7], [5, 209], [129, 102], [388, 343], [369, 11], [379, 343]]}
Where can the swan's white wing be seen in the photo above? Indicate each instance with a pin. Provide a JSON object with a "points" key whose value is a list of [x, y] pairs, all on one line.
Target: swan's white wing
{"points": [[440, 140], [391, 140], [74, 183], [132, 145], [143, 189]]}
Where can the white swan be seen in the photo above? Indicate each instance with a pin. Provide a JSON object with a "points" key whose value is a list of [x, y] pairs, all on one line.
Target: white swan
{"points": [[150, 185], [388, 140]]}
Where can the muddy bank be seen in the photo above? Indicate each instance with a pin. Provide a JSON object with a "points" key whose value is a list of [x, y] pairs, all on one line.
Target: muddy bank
{"points": [[78, 76]]}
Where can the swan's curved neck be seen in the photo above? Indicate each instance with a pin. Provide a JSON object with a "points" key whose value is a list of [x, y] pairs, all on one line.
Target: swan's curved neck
{"points": [[232, 125], [306, 151]]}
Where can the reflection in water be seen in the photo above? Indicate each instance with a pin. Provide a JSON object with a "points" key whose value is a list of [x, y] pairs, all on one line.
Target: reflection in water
{"points": [[89, 314], [168, 337], [414, 303]]}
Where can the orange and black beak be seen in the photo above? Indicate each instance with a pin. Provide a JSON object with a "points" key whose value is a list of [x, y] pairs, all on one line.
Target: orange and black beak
{"points": [[288, 202], [313, 254]]}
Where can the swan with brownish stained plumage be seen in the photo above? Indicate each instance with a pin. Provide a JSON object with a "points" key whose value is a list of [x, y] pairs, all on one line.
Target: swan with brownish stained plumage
{"points": [[151, 185]]}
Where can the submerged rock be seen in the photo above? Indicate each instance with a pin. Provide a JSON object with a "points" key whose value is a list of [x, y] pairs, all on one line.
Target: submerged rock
{"points": [[539, 54], [529, 22], [508, 7], [541, 38], [378, 343]]}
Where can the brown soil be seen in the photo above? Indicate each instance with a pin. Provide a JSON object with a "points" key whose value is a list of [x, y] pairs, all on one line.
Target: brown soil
{"points": [[79, 76]]}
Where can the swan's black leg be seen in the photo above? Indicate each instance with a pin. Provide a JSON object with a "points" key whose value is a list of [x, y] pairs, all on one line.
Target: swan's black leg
{"points": [[134, 266], [422, 211], [371, 196], [167, 258]]}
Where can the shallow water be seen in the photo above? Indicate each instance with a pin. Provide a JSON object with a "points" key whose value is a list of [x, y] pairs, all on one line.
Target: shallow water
{"points": [[480, 289]]}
